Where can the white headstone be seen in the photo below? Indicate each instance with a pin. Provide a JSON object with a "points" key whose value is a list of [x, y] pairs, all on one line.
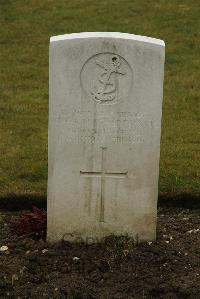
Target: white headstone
{"points": [[104, 135]]}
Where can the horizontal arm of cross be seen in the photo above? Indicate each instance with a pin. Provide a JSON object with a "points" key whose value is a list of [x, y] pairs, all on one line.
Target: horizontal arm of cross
{"points": [[102, 174]]}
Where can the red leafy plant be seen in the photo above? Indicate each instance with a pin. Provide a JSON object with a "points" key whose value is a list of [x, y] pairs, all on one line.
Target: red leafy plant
{"points": [[31, 224]]}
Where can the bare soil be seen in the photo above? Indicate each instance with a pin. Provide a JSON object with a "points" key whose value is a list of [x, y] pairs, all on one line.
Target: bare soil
{"points": [[117, 268]]}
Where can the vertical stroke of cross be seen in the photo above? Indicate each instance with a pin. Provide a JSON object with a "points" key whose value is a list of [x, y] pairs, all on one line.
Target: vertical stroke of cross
{"points": [[103, 174]]}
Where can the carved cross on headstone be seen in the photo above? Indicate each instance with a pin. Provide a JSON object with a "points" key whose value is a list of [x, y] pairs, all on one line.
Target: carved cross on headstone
{"points": [[103, 174]]}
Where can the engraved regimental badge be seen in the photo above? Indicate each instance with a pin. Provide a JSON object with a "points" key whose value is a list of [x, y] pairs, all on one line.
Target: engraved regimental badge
{"points": [[106, 78]]}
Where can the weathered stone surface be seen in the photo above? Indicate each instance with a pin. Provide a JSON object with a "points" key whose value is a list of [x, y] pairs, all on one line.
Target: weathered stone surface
{"points": [[104, 135]]}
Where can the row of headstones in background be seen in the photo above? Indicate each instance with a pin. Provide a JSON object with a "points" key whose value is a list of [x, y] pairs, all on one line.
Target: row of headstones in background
{"points": [[104, 135]]}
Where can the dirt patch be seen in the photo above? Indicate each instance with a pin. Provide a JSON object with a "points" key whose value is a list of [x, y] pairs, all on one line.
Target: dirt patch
{"points": [[117, 268]]}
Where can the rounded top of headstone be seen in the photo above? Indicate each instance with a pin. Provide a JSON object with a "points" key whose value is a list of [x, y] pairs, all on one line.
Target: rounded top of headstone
{"points": [[119, 35]]}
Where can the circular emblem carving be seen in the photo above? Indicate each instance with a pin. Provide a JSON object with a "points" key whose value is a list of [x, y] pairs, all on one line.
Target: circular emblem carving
{"points": [[106, 78]]}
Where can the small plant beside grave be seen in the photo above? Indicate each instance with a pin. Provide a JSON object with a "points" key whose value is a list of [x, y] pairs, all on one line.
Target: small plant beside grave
{"points": [[31, 224]]}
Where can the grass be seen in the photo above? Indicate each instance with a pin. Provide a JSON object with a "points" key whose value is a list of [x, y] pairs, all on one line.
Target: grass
{"points": [[26, 26]]}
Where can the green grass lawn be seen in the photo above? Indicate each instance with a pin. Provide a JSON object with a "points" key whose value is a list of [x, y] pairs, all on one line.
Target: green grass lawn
{"points": [[25, 29]]}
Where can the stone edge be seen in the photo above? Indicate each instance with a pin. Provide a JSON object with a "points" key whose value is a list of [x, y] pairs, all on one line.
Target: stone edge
{"points": [[120, 35]]}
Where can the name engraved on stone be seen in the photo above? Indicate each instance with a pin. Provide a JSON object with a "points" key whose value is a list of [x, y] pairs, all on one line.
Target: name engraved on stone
{"points": [[103, 174], [106, 78], [124, 128]]}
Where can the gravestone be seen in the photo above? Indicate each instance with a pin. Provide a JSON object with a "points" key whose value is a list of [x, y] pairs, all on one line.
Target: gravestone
{"points": [[104, 135]]}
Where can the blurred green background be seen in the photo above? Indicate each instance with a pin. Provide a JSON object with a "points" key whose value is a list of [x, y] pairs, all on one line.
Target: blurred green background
{"points": [[26, 27]]}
